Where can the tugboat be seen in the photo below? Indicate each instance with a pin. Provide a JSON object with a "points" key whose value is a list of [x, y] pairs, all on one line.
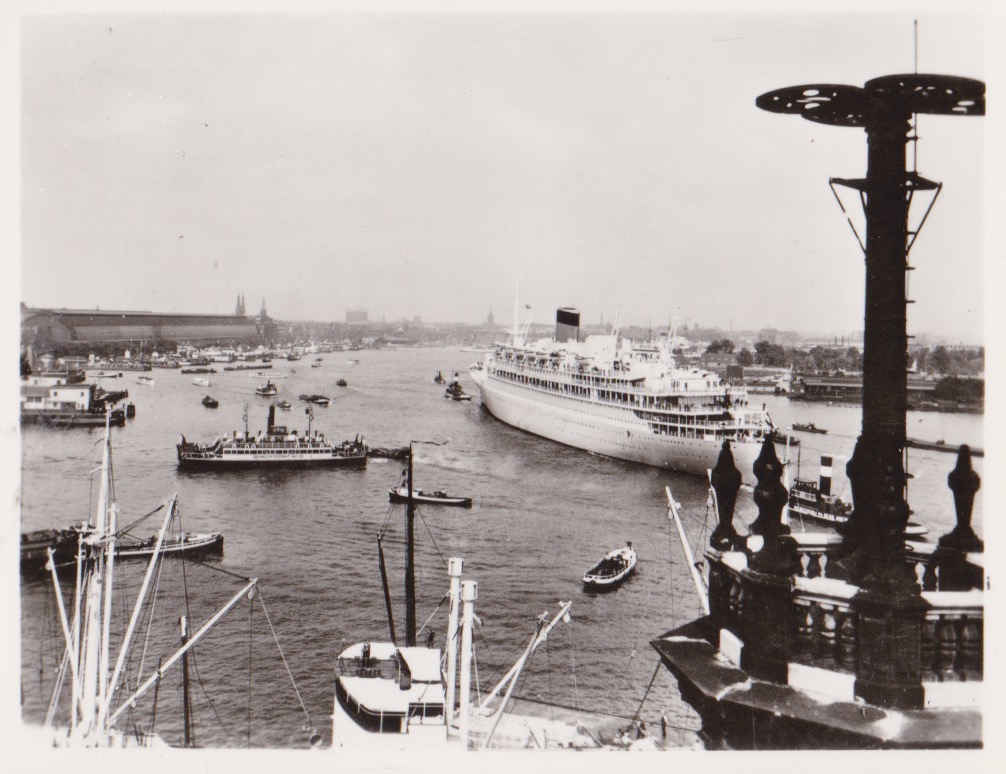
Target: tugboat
{"points": [[267, 390], [814, 500], [277, 448], [210, 402]]}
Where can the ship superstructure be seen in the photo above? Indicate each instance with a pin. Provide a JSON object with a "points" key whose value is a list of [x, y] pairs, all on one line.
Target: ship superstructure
{"points": [[610, 396]]}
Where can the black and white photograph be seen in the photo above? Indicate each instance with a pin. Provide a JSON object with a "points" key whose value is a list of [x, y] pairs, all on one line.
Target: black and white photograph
{"points": [[411, 381]]}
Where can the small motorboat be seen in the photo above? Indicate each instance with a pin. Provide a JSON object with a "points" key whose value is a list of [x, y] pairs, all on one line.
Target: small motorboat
{"points": [[315, 365], [400, 494], [341, 383], [267, 390], [284, 404], [147, 380], [319, 400], [455, 391], [201, 381], [210, 402], [614, 568], [809, 427]]}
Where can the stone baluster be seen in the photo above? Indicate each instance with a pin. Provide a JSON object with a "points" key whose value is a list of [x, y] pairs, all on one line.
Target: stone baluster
{"points": [[822, 563], [927, 649], [946, 643], [845, 653], [955, 572], [726, 481], [804, 635], [970, 660], [804, 563], [827, 637]]}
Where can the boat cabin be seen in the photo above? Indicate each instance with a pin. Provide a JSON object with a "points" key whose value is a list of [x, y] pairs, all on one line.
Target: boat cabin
{"points": [[387, 689]]}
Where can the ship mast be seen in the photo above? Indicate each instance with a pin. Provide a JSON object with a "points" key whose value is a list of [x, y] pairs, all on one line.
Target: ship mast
{"points": [[410, 567]]}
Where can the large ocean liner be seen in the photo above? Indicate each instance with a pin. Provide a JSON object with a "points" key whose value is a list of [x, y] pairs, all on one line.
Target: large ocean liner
{"points": [[609, 396]]}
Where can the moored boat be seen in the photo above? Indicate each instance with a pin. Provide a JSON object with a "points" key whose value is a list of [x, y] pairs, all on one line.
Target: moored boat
{"points": [[612, 570]]}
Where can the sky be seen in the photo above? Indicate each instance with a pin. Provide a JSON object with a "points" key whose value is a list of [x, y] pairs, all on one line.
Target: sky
{"points": [[426, 164]]}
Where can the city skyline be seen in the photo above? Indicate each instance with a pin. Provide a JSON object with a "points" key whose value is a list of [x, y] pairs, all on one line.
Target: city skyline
{"points": [[616, 163]]}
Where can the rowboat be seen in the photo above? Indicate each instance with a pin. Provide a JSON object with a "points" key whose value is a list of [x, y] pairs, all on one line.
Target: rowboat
{"points": [[614, 568], [400, 494], [201, 381], [210, 402]]}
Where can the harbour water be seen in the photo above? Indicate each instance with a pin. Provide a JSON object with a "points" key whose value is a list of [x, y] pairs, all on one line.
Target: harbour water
{"points": [[543, 513]]}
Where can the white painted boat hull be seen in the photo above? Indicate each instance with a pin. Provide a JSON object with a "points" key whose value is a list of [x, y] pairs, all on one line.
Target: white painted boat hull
{"points": [[608, 430]]}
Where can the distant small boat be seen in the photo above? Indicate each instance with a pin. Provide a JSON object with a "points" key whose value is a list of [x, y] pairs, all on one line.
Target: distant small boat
{"points": [[267, 390], [341, 383], [284, 404], [201, 381], [198, 370], [809, 427], [614, 568], [210, 402], [456, 392], [147, 380], [782, 438], [320, 400], [400, 494]]}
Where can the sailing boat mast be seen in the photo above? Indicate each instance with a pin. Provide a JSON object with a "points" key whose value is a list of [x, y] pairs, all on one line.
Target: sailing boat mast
{"points": [[410, 566], [186, 704]]}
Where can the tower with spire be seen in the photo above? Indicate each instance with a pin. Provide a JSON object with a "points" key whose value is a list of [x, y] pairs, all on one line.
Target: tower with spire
{"points": [[239, 307]]}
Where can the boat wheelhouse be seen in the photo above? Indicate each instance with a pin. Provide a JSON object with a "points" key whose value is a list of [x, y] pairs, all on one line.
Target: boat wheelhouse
{"points": [[609, 396]]}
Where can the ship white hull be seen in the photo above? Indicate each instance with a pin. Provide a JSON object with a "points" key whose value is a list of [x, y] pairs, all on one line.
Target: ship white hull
{"points": [[607, 430]]}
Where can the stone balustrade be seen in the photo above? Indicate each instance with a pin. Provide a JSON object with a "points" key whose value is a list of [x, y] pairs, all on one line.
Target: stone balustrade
{"points": [[786, 581]]}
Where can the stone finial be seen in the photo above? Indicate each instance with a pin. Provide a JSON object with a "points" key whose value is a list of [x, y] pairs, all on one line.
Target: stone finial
{"points": [[963, 482], [778, 552], [769, 495], [726, 481]]}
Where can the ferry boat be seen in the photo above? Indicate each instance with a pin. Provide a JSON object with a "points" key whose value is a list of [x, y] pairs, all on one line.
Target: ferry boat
{"points": [[278, 447], [267, 390], [611, 397]]}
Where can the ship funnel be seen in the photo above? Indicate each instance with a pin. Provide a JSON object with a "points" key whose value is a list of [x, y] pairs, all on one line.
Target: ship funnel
{"points": [[824, 483], [567, 324], [272, 417]]}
